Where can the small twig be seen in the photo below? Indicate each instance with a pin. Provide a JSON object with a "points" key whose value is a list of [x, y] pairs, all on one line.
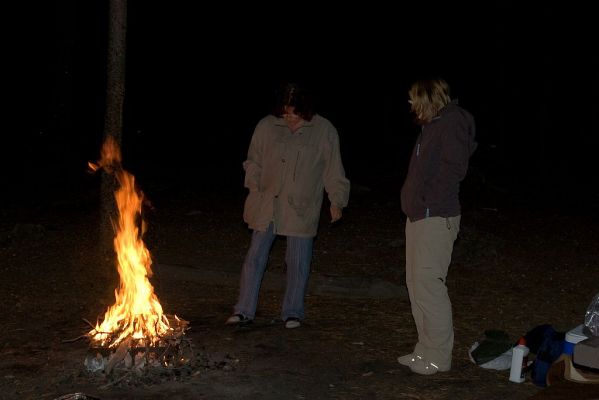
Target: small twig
{"points": [[94, 328], [74, 340], [89, 323], [164, 352]]}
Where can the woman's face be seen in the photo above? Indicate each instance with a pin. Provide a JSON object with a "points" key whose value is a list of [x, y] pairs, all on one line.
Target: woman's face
{"points": [[293, 120]]}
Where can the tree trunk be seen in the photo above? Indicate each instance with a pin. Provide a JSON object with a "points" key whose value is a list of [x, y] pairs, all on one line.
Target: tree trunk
{"points": [[113, 119]]}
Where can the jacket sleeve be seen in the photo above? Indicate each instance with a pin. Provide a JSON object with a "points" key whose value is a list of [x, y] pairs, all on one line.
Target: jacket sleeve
{"points": [[456, 147], [335, 183], [253, 164]]}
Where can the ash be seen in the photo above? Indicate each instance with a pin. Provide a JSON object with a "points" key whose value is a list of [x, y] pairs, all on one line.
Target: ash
{"points": [[140, 368]]}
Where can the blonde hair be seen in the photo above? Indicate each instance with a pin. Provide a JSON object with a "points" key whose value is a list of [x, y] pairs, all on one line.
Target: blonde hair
{"points": [[428, 97]]}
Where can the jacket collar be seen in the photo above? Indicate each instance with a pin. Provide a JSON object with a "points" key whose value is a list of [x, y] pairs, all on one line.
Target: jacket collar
{"points": [[281, 121]]}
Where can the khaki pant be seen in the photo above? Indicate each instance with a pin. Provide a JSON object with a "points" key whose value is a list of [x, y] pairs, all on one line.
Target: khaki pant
{"points": [[429, 244]]}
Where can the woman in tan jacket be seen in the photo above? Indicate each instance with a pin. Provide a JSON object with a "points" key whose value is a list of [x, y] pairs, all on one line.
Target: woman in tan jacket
{"points": [[292, 160]]}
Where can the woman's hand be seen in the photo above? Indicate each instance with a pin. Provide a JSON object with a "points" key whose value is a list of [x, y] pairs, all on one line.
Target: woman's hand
{"points": [[336, 213]]}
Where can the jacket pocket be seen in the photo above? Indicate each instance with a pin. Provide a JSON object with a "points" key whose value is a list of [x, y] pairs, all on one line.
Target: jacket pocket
{"points": [[300, 204], [306, 158], [252, 207]]}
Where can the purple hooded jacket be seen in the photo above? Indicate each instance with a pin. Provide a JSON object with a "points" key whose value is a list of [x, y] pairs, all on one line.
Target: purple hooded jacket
{"points": [[438, 164]]}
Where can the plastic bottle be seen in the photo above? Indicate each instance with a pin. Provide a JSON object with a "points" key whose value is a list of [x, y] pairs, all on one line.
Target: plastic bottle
{"points": [[519, 361]]}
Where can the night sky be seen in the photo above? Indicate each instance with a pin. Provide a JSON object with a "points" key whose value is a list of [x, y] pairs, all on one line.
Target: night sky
{"points": [[200, 77]]}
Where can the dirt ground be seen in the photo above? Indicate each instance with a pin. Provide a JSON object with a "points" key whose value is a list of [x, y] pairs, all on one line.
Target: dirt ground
{"points": [[515, 267]]}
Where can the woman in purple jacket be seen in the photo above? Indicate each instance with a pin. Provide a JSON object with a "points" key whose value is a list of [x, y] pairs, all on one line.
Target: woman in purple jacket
{"points": [[430, 200]]}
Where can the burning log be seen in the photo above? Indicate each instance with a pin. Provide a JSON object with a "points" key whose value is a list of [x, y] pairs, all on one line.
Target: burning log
{"points": [[134, 332]]}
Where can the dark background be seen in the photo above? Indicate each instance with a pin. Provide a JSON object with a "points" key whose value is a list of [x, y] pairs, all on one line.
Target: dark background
{"points": [[199, 77]]}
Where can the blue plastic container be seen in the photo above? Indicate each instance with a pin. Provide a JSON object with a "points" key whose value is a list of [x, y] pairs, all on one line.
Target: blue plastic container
{"points": [[572, 337]]}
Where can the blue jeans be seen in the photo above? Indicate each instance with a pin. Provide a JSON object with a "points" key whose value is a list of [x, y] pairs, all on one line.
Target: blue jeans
{"points": [[298, 257]]}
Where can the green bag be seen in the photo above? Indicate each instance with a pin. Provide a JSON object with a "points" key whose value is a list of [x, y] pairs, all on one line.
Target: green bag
{"points": [[495, 343]]}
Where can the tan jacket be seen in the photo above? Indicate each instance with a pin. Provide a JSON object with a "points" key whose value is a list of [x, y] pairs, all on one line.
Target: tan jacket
{"points": [[287, 174]]}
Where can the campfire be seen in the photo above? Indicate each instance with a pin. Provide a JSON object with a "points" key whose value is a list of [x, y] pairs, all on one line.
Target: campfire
{"points": [[135, 332]]}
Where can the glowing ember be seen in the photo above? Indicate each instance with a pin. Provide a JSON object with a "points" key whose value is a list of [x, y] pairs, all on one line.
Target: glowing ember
{"points": [[137, 313]]}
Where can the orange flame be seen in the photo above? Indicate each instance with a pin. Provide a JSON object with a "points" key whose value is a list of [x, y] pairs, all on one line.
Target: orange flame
{"points": [[137, 312]]}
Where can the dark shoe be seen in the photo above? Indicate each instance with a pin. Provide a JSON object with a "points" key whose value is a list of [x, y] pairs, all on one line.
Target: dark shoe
{"points": [[238, 319], [291, 323]]}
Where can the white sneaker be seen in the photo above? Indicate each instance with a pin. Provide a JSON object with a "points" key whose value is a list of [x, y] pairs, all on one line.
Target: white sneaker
{"points": [[407, 360], [291, 323], [423, 367]]}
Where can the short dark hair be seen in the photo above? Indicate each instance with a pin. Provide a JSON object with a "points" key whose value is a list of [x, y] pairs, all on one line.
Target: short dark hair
{"points": [[296, 95]]}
